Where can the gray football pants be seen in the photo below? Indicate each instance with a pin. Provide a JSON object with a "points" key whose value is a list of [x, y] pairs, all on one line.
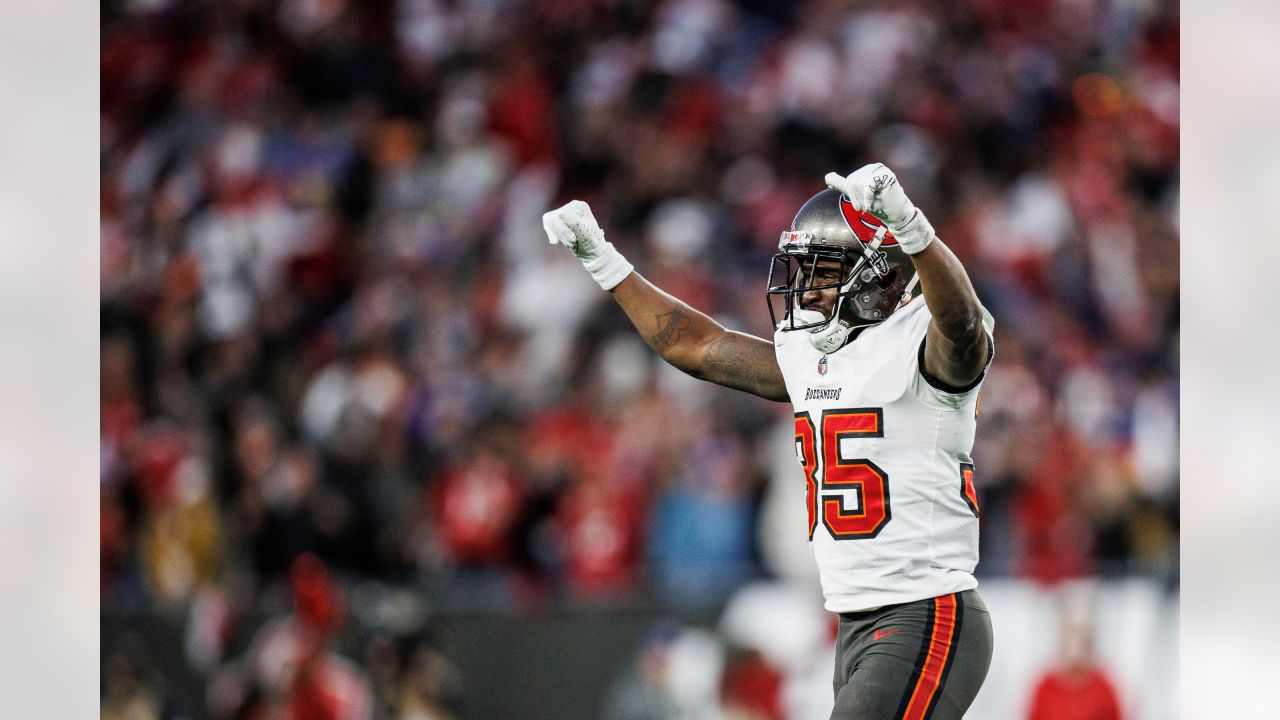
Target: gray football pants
{"points": [[922, 660]]}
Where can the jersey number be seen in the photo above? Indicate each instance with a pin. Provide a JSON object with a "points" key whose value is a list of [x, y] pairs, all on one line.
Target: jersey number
{"points": [[867, 482]]}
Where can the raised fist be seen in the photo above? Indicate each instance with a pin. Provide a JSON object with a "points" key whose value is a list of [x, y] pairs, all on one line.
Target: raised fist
{"points": [[875, 189], [573, 226]]}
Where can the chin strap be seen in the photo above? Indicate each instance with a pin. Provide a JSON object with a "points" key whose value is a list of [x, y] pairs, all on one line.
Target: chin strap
{"points": [[828, 337], [911, 286]]}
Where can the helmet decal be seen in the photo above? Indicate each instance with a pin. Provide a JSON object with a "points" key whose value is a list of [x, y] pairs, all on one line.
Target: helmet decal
{"points": [[863, 224]]}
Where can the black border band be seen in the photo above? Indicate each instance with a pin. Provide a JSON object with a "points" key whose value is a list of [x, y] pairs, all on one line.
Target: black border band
{"points": [[941, 385]]}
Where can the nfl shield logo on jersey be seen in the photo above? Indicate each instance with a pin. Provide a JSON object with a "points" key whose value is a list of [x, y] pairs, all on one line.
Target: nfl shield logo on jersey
{"points": [[822, 365]]}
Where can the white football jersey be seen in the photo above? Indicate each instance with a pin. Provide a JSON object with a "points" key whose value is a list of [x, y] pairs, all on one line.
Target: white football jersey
{"points": [[893, 516]]}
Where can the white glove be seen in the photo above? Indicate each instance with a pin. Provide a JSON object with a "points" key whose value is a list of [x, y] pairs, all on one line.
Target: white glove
{"points": [[875, 189], [573, 226]]}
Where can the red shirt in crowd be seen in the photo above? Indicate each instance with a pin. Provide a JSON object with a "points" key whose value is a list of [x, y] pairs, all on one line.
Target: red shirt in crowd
{"points": [[478, 505], [1080, 694]]}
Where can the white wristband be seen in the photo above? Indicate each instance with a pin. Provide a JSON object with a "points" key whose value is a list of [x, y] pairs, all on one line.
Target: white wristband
{"points": [[916, 234], [609, 268]]}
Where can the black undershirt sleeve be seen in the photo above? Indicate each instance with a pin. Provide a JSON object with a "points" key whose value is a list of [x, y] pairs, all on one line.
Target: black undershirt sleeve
{"points": [[939, 384]]}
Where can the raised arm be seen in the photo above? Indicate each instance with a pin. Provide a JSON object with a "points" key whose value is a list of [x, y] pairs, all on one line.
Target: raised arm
{"points": [[698, 345], [956, 345], [684, 337]]}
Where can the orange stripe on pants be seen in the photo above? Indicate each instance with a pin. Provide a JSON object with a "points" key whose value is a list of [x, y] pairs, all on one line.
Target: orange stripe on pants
{"points": [[944, 630]]}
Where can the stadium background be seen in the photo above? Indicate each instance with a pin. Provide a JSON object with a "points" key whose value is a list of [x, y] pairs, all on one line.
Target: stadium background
{"points": [[368, 441]]}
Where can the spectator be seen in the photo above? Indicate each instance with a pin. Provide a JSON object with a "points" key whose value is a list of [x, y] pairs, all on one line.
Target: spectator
{"points": [[641, 693], [1077, 688], [131, 690], [291, 670]]}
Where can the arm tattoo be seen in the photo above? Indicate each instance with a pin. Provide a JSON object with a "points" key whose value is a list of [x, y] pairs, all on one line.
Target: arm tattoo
{"points": [[671, 326], [720, 360], [743, 365]]}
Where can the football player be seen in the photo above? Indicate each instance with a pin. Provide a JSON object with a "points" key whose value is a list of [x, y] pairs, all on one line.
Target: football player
{"points": [[880, 345]]}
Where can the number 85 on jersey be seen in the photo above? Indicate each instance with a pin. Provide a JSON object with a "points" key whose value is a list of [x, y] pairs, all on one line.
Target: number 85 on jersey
{"points": [[852, 495]]}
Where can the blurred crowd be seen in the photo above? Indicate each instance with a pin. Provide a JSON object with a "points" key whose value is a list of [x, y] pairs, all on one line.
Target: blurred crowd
{"points": [[332, 326]]}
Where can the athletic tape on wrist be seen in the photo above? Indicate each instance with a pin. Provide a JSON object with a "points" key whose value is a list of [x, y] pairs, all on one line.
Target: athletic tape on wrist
{"points": [[609, 268], [916, 234]]}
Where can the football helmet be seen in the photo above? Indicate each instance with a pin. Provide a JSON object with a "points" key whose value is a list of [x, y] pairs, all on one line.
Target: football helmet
{"points": [[833, 246]]}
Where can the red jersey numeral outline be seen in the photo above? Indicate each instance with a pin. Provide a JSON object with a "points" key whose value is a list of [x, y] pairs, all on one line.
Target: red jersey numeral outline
{"points": [[865, 478], [967, 491], [806, 438]]}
